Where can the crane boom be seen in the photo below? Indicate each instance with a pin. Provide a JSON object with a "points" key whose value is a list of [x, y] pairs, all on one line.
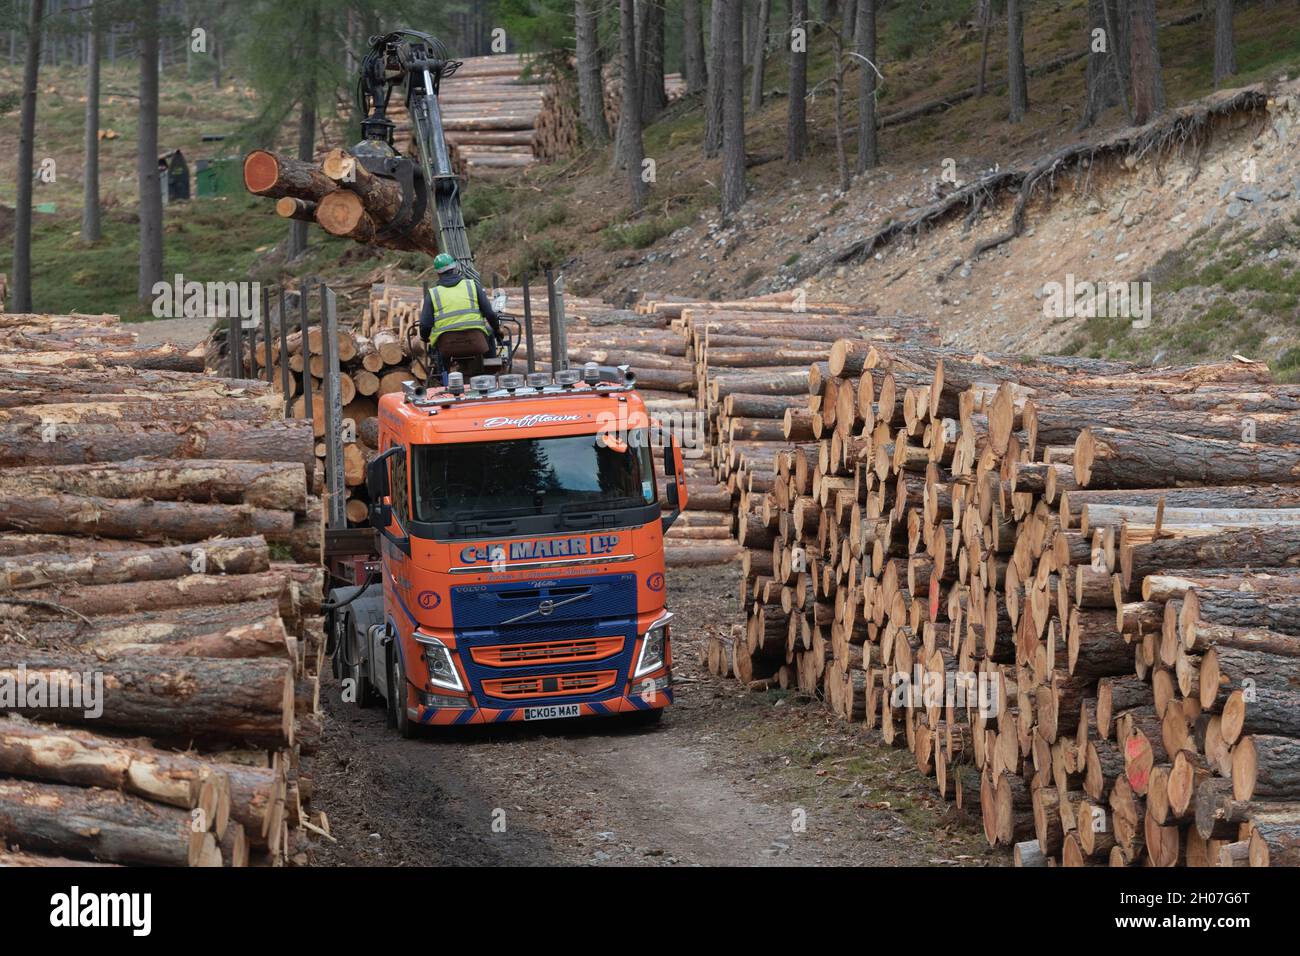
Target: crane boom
{"points": [[415, 63]]}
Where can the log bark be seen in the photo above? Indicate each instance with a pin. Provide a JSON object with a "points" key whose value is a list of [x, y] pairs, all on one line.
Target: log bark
{"points": [[1124, 458], [141, 520], [102, 825], [219, 556], [270, 485], [167, 697], [289, 440]]}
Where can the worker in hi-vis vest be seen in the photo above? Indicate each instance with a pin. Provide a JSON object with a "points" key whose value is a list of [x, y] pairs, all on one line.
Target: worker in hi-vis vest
{"points": [[458, 318]]}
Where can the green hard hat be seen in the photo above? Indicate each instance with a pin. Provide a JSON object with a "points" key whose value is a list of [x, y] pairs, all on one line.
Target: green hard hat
{"points": [[443, 261]]}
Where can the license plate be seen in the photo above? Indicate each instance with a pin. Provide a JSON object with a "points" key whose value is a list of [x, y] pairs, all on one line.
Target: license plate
{"points": [[550, 713]]}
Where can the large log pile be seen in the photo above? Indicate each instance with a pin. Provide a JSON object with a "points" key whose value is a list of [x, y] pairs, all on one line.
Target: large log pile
{"points": [[161, 587], [500, 113], [1070, 587]]}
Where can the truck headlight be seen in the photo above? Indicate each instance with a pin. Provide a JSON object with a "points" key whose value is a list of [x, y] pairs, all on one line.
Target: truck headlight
{"points": [[653, 648], [442, 670]]}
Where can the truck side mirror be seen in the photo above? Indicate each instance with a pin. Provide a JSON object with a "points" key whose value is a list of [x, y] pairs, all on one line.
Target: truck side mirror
{"points": [[379, 487], [377, 484], [675, 474]]}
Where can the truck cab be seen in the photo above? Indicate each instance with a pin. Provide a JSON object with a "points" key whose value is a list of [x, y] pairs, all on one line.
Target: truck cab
{"points": [[521, 548]]}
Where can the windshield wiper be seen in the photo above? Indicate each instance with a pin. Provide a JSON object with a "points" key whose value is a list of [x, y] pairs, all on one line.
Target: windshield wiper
{"points": [[584, 510]]}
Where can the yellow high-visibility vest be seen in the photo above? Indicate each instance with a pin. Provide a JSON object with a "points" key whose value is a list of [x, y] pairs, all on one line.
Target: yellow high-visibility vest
{"points": [[455, 307]]}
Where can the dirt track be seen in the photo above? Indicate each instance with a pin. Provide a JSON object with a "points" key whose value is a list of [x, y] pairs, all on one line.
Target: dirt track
{"points": [[724, 780]]}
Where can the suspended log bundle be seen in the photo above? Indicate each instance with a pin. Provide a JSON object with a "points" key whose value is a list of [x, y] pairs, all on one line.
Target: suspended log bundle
{"points": [[1066, 585], [161, 592]]}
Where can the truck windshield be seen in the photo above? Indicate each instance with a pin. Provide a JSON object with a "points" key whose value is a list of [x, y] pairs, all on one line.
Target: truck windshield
{"points": [[531, 476]]}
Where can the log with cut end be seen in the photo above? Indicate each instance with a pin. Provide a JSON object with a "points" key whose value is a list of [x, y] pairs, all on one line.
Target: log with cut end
{"points": [[272, 175], [66, 755], [262, 636], [103, 825], [1266, 766], [1265, 710], [162, 697], [290, 207], [1275, 841], [1225, 669], [216, 556]]}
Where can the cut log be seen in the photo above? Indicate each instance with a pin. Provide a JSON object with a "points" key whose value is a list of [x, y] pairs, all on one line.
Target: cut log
{"points": [[102, 825], [163, 697]]}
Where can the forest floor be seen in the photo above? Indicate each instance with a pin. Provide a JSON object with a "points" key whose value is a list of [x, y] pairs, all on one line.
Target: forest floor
{"points": [[728, 778]]}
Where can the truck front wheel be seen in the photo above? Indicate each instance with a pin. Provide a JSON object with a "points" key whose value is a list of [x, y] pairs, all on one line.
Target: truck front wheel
{"points": [[398, 694]]}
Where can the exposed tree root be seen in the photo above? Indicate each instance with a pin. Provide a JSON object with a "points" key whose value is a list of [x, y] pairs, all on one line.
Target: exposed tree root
{"points": [[1168, 133]]}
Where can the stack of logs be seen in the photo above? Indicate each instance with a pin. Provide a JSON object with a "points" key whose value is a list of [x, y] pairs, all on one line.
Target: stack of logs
{"points": [[1070, 587], [498, 116], [674, 87], [160, 569]]}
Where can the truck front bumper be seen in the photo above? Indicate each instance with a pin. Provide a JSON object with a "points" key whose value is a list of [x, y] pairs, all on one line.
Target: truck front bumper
{"points": [[616, 704]]}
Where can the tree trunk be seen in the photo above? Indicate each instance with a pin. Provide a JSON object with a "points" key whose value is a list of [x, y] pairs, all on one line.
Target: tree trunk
{"points": [[713, 132], [306, 125], [1107, 63], [868, 157], [758, 59], [697, 76], [1144, 60], [986, 29], [151, 207], [796, 133], [733, 122], [1017, 79], [651, 60], [591, 89], [90, 224], [1225, 56], [629, 117], [22, 277]]}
